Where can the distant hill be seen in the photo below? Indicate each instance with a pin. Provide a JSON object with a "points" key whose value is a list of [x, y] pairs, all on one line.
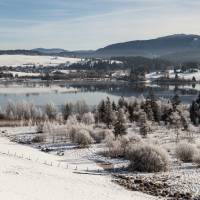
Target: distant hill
{"points": [[168, 47], [49, 51], [176, 48]]}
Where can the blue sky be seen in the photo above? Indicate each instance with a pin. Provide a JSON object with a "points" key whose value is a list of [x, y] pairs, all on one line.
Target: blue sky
{"points": [[91, 24]]}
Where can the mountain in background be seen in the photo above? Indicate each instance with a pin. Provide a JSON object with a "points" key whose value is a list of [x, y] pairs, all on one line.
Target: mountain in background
{"points": [[49, 51], [177, 48]]}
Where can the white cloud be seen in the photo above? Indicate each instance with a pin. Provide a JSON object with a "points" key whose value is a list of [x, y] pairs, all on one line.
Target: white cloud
{"points": [[134, 20]]}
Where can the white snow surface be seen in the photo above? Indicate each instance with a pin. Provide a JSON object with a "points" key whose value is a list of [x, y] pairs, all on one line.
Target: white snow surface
{"points": [[185, 75], [21, 74], [25, 60], [32, 179]]}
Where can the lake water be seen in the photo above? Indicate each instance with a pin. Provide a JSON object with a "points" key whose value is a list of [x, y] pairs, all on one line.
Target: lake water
{"points": [[42, 93]]}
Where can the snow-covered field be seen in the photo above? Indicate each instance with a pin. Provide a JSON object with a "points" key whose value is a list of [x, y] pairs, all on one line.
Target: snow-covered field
{"points": [[28, 174], [186, 75], [22, 74], [25, 60]]}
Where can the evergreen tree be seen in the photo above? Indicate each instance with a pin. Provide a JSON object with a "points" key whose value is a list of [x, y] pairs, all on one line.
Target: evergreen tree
{"points": [[151, 107], [120, 124], [122, 103], [144, 125], [109, 115], [101, 110], [175, 101], [114, 107], [130, 112], [195, 111], [67, 110]]}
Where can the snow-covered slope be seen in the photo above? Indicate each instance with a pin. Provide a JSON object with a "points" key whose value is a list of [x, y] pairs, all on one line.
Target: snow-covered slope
{"points": [[24, 179], [171, 74], [24, 60]]}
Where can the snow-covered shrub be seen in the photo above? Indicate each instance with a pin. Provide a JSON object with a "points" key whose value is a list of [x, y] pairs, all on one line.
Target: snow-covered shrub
{"points": [[80, 134], [72, 120], [186, 151], [147, 158], [118, 147], [133, 139], [88, 118], [99, 135], [114, 149], [82, 138]]}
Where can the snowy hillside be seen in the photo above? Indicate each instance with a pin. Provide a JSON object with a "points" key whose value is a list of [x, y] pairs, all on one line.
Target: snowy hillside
{"points": [[27, 174], [183, 75], [24, 60]]}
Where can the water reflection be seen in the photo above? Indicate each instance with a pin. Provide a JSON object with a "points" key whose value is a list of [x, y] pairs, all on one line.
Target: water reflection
{"points": [[92, 93]]}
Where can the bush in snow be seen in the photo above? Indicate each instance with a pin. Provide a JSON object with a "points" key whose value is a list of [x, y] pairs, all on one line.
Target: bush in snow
{"points": [[118, 147], [186, 151], [88, 118], [147, 158], [99, 135], [80, 134], [72, 120], [82, 138], [114, 148]]}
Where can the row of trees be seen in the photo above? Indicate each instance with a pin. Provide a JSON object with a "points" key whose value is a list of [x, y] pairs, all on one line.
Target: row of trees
{"points": [[141, 110]]}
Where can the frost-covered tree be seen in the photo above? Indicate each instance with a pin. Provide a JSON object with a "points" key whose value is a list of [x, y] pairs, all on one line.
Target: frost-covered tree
{"points": [[176, 123], [80, 107], [88, 118], [51, 111]]}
